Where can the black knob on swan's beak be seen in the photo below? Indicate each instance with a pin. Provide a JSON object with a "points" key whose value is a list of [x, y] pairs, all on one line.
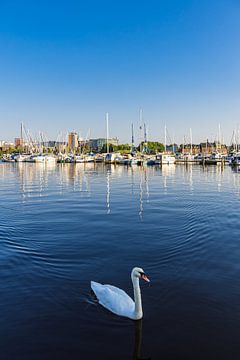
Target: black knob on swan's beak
{"points": [[144, 277]]}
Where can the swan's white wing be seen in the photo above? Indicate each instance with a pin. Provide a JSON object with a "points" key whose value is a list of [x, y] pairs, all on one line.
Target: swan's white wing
{"points": [[114, 299]]}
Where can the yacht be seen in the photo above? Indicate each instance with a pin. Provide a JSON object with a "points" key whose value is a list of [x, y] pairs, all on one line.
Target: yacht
{"points": [[214, 158], [44, 159], [125, 160], [162, 158], [236, 159], [98, 158], [62, 158], [152, 160], [230, 157], [185, 158], [22, 157], [8, 158], [79, 159], [89, 158], [112, 158], [39, 158]]}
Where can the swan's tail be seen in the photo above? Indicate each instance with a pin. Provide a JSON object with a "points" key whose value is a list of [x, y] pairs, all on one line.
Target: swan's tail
{"points": [[96, 288]]}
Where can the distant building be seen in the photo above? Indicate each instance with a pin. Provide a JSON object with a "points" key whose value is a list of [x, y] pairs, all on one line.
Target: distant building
{"points": [[72, 140], [49, 144], [209, 147], [61, 146], [190, 148], [97, 144], [172, 148], [6, 145], [18, 142], [204, 147], [222, 148]]}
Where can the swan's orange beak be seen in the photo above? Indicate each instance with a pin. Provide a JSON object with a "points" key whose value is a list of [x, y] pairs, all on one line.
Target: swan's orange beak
{"points": [[144, 277]]}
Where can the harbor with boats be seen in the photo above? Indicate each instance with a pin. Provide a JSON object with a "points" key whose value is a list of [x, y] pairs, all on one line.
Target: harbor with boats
{"points": [[71, 148], [117, 158]]}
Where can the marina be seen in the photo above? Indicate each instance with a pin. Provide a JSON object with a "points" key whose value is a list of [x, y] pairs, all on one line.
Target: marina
{"points": [[109, 151], [128, 159]]}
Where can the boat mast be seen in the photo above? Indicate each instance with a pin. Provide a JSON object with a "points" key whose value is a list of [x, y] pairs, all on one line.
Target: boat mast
{"points": [[191, 139], [89, 142], [219, 137], [141, 128], [21, 137], [165, 138], [145, 138], [234, 141], [107, 119], [237, 138], [132, 138]]}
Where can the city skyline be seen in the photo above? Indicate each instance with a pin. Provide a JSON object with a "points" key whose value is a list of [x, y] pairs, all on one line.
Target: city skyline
{"points": [[63, 66]]}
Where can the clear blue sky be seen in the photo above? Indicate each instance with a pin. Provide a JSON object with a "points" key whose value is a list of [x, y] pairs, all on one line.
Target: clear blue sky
{"points": [[63, 64]]}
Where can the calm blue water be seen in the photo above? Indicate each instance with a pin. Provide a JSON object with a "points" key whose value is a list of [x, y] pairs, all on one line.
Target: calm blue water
{"points": [[65, 225]]}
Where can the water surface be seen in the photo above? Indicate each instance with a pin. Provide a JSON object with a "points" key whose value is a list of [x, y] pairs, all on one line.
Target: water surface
{"points": [[62, 226]]}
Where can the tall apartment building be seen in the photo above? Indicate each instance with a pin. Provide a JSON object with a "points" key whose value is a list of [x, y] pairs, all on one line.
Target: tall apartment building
{"points": [[18, 142], [72, 140]]}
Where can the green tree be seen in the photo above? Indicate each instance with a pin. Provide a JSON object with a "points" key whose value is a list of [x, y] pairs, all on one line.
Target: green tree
{"points": [[153, 147]]}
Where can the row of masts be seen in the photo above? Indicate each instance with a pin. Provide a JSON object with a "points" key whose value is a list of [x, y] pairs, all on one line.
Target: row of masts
{"points": [[143, 137]]}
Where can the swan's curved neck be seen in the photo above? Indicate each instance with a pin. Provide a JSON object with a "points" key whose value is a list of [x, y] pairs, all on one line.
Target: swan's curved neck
{"points": [[138, 313]]}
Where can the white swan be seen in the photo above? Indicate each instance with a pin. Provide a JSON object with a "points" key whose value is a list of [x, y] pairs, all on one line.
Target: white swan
{"points": [[117, 301]]}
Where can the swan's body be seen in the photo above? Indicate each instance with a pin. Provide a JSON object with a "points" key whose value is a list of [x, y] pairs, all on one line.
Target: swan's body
{"points": [[117, 301]]}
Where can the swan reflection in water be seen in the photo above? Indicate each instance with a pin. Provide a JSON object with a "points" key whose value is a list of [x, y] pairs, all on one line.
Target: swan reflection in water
{"points": [[138, 342]]}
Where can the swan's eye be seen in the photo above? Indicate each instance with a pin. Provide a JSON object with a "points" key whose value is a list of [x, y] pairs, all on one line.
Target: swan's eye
{"points": [[141, 273]]}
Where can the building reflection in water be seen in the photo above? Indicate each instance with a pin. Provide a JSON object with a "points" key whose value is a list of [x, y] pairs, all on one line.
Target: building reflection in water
{"points": [[168, 170], [190, 177], [33, 179], [75, 176], [219, 176], [187, 173]]}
